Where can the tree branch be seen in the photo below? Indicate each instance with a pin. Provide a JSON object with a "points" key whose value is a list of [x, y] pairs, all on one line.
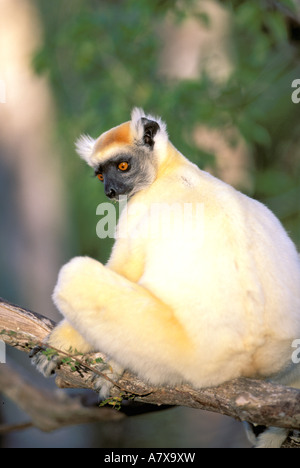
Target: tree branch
{"points": [[284, 10], [48, 410], [243, 399]]}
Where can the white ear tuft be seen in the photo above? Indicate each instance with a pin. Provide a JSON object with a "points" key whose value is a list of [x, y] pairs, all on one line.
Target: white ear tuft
{"points": [[136, 122], [84, 147], [137, 126], [136, 114]]}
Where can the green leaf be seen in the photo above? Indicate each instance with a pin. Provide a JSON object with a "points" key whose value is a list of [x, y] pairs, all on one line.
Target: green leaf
{"points": [[99, 360], [276, 24]]}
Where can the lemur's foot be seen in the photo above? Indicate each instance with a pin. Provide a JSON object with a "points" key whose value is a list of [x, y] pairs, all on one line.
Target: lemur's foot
{"points": [[48, 361], [45, 361], [104, 383]]}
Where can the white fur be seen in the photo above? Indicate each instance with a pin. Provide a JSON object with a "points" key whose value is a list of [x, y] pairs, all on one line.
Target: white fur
{"points": [[218, 306], [236, 294], [85, 147], [272, 438], [161, 137]]}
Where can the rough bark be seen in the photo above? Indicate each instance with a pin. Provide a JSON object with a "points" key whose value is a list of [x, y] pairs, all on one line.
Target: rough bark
{"points": [[49, 411], [244, 399]]}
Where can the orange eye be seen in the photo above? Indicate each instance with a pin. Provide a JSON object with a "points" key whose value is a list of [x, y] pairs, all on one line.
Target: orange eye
{"points": [[123, 166], [100, 177]]}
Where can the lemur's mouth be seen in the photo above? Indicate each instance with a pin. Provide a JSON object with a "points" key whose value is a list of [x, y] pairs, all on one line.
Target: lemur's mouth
{"points": [[122, 197]]}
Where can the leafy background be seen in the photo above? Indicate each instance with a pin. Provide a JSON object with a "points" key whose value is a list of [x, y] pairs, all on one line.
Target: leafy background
{"points": [[101, 58]]}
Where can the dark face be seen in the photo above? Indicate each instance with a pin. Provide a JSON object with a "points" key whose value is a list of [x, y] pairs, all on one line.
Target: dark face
{"points": [[126, 173]]}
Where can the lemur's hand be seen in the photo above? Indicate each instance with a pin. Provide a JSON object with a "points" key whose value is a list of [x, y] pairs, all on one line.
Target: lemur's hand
{"points": [[104, 383], [45, 361], [107, 373]]}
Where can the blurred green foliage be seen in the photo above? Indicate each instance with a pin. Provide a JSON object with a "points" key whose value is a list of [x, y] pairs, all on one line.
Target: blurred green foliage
{"points": [[102, 58]]}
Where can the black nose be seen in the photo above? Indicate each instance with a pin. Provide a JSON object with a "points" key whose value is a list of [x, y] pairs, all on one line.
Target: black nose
{"points": [[110, 193]]}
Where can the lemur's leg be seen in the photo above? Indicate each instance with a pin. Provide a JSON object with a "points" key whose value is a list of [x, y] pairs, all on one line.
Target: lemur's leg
{"points": [[65, 338], [122, 319]]}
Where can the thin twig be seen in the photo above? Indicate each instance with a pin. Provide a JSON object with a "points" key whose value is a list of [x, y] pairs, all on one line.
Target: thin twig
{"points": [[8, 428], [93, 369], [284, 10], [255, 401]]}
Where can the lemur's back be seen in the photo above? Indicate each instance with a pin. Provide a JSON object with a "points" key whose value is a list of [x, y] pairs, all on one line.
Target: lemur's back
{"points": [[209, 292], [241, 263]]}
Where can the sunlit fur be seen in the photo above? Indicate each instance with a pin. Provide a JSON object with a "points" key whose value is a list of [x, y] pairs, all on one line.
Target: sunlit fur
{"points": [[202, 311]]}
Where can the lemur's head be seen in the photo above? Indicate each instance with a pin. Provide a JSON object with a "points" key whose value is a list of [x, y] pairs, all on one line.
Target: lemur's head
{"points": [[126, 157]]}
